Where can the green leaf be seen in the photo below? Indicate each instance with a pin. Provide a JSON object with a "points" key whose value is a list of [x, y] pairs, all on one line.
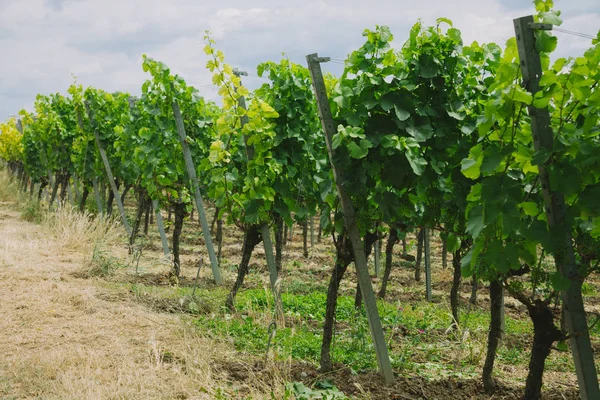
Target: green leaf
{"points": [[559, 282], [521, 95], [445, 20], [355, 132], [471, 167], [421, 133], [416, 163], [530, 208], [543, 5], [550, 17], [588, 200], [387, 102], [427, 66], [495, 256], [357, 151], [402, 114], [337, 140], [475, 223], [540, 156], [545, 43], [366, 144], [528, 253], [468, 128], [565, 178], [468, 262], [452, 243], [492, 157], [343, 99], [455, 35], [457, 115], [562, 346]]}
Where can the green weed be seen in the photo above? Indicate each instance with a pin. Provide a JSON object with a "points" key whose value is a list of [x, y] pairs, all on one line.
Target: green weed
{"points": [[32, 211], [418, 335], [102, 263]]}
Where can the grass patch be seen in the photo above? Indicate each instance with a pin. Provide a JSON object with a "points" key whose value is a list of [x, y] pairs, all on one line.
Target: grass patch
{"points": [[418, 335], [32, 211], [176, 299], [102, 263], [80, 231]]}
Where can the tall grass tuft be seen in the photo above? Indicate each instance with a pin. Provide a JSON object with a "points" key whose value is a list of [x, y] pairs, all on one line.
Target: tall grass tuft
{"points": [[80, 231]]}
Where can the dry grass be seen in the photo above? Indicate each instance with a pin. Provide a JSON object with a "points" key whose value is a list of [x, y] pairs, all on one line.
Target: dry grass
{"points": [[68, 338], [9, 191], [80, 231]]}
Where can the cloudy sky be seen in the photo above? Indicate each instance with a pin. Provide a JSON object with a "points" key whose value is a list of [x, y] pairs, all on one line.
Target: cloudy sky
{"points": [[43, 43]]}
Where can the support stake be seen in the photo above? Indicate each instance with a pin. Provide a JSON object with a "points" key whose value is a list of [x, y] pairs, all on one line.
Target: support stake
{"points": [[109, 174], [427, 264], [191, 170], [556, 210], [265, 230], [161, 228], [360, 261]]}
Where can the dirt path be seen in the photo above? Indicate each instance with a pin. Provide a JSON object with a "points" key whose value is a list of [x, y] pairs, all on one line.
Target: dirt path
{"points": [[67, 338]]}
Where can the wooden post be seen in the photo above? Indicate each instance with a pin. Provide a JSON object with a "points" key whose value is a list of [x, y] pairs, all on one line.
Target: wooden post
{"points": [[564, 254], [70, 195], [76, 187], [312, 232], [189, 164], [444, 253], [268, 246], [377, 257], [427, 264], [161, 228], [265, 230], [97, 196], [360, 261], [111, 179]]}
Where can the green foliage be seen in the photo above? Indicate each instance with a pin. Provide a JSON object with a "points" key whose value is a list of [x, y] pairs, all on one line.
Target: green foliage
{"points": [[102, 263], [32, 211], [57, 127], [297, 150], [34, 158], [270, 157], [11, 148], [506, 213], [85, 156], [414, 331], [149, 129], [324, 390], [406, 120]]}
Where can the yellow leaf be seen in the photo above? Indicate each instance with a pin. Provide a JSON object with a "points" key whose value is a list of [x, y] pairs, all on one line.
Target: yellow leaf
{"points": [[217, 79], [223, 91], [210, 65], [242, 91]]}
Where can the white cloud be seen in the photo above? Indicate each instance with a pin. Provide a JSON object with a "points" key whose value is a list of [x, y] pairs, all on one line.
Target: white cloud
{"points": [[44, 42]]}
